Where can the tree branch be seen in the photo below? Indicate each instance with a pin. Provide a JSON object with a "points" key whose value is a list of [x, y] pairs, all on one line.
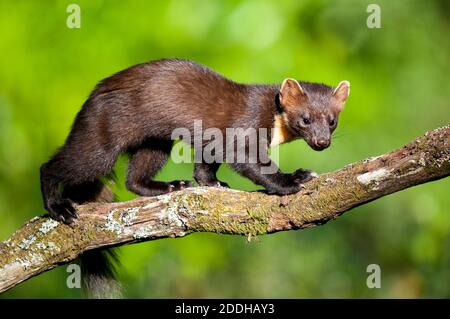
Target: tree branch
{"points": [[42, 243]]}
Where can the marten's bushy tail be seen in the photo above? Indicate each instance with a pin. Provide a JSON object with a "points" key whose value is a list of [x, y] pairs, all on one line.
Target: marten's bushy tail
{"points": [[99, 275], [98, 266]]}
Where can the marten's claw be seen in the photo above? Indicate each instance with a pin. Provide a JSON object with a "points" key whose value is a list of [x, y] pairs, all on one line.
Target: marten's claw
{"points": [[179, 185], [214, 184], [222, 184], [63, 211], [314, 174]]}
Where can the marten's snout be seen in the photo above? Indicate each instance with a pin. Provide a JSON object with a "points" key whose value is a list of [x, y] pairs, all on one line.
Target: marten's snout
{"points": [[322, 143], [319, 144], [320, 137]]}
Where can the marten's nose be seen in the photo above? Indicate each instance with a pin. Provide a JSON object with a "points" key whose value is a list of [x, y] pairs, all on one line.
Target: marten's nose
{"points": [[322, 143]]}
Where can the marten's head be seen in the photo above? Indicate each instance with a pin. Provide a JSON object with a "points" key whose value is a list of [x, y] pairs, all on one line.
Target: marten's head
{"points": [[310, 110]]}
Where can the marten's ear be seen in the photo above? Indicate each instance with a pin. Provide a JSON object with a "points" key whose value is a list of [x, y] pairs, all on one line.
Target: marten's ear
{"points": [[342, 91], [290, 92]]}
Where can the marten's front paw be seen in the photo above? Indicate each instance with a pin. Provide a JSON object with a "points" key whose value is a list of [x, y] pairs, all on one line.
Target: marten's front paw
{"points": [[301, 175], [63, 211]]}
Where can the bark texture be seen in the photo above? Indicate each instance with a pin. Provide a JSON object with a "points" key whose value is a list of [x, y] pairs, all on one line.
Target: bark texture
{"points": [[42, 243]]}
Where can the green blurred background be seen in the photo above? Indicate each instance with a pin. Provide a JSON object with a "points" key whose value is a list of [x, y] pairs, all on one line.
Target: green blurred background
{"points": [[400, 89]]}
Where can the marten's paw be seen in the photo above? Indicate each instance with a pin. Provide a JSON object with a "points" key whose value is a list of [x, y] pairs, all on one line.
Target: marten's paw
{"points": [[214, 184], [63, 211], [301, 175], [179, 185]]}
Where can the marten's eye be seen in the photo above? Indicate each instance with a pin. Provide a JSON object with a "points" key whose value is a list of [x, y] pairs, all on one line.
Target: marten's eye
{"points": [[306, 121], [332, 122]]}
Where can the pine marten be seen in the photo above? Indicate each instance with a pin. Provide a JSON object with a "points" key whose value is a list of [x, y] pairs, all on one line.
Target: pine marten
{"points": [[136, 110]]}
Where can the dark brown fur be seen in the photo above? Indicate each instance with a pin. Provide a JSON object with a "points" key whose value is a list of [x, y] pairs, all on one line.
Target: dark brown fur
{"points": [[136, 110]]}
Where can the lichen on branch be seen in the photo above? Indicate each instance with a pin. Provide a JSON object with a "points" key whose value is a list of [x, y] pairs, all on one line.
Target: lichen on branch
{"points": [[42, 243]]}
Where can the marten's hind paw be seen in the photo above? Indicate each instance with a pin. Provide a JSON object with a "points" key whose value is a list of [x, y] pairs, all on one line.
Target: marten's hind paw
{"points": [[63, 211], [179, 185]]}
